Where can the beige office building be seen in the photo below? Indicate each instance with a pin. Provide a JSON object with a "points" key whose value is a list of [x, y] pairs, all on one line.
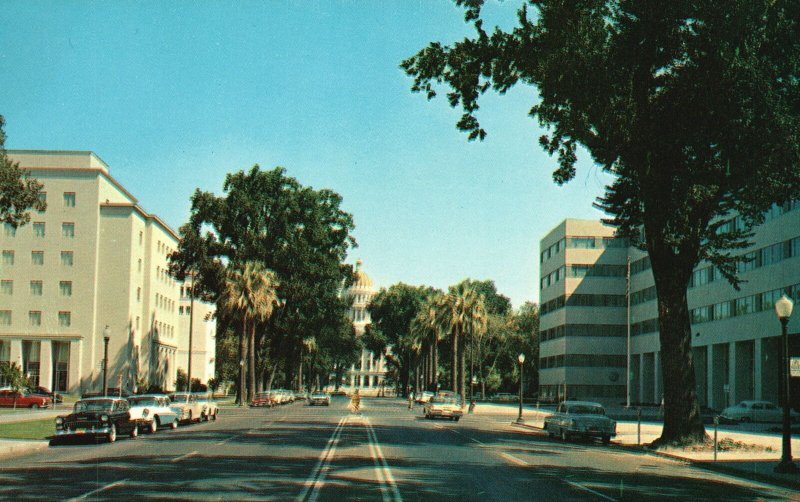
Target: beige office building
{"points": [[93, 264], [203, 327], [735, 334]]}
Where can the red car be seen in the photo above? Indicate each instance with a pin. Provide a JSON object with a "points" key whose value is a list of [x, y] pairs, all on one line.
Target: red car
{"points": [[23, 400]]}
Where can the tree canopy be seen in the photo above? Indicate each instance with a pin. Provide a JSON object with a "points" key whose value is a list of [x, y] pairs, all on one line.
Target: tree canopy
{"points": [[19, 193], [693, 107]]}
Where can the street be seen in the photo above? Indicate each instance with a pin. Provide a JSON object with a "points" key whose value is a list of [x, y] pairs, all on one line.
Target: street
{"points": [[298, 452]]}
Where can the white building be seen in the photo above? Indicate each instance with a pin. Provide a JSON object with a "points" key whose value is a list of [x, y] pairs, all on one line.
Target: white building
{"points": [[368, 374], [736, 335], [198, 317], [93, 264]]}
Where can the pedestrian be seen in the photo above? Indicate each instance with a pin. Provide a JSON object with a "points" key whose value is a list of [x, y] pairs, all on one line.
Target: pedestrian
{"points": [[410, 400], [355, 402]]}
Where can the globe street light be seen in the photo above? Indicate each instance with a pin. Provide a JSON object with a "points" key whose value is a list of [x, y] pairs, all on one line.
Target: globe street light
{"points": [[106, 338], [783, 308], [521, 359]]}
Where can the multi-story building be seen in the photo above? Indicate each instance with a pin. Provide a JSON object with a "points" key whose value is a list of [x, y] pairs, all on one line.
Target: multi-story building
{"points": [[93, 264], [197, 317], [368, 374], [736, 335]]}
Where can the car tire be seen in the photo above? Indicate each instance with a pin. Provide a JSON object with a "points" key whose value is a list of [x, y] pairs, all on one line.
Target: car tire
{"points": [[191, 419], [456, 419], [214, 416], [112, 434], [174, 424], [154, 425], [135, 431]]}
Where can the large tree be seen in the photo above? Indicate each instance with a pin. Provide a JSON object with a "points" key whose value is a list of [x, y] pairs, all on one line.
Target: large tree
{"points": [[692, 106], [19, 193]]}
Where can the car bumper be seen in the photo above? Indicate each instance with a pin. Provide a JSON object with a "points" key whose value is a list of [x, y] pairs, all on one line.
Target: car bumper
{"points": [[445, 413], [89, 432], [591, 433], [323, 402]]}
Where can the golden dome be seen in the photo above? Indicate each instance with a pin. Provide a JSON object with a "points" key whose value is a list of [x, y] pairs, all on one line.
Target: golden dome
{"points": [[362, 281]]}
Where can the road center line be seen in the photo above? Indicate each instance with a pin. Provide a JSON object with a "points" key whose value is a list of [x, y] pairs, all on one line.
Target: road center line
{"points": [[512, 458], [387, 473], [324, 458], [101, 489], [182, 457]]}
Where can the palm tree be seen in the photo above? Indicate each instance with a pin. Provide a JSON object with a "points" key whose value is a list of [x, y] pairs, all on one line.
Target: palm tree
{"points": [[250, 292], [426, 331], [461, 313]]}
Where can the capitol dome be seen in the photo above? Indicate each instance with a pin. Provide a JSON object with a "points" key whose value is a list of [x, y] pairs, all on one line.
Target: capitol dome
{"points": [[362, 280]]}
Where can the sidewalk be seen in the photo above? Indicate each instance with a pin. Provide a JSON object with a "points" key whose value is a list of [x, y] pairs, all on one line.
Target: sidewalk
{"points": [[756, 465]]}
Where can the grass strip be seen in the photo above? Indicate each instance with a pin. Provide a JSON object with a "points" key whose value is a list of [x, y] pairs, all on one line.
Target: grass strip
{"points": [[35, 429]]}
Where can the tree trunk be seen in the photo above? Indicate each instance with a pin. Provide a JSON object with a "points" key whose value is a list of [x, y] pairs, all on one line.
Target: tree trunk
{"points": [[271, 377], [454, 365], [242, 356], [462, 374], [435, 362], [251, 389], [682, 420]]}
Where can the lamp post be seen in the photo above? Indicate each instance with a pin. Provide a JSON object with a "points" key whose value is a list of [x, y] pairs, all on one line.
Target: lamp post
{"points": [[783, 308], [106, 338], [191, 326], [521, 359]]}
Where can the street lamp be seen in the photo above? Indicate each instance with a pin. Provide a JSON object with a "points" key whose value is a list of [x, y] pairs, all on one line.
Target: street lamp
{"points": [[106, 338], [521, 359], [783, 308]]}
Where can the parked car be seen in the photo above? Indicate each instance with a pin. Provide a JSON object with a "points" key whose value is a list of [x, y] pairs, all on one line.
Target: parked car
{"points": [[320, 398], [153, 411], [580, 419], [210, 407], [10, 398], [191, 409], [45, 392], [98, 417], [756, 411], [264, 399], [424, 396], [444, 407]]}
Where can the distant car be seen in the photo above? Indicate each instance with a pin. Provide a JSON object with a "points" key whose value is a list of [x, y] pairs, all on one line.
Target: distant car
{"points": [[11, 398], [191, 409], [319, 398], [153, 411], [443, 407], [98, 417], [424, 396], [264, 399], [756, 411], [210, 407], [504, 396], [580, 419]]}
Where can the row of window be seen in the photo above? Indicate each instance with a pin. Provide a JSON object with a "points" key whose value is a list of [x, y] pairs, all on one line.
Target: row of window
{"points": [[583, 301], [67, 229], [583, 243], [184, 310], [580, 391], [162, 274], [36, 287], [359, 315], [35, 318], [163, 302], [583, 270], [583, 361], [68, 199], [582, 330], [37, 258]]}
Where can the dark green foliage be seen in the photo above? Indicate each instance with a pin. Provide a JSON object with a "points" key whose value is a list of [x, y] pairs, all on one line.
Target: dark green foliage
{"points": [[693, 107], [19, 193]]}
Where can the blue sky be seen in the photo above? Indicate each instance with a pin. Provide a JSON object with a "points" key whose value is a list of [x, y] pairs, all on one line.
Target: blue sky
{"points": [[174, 95]]}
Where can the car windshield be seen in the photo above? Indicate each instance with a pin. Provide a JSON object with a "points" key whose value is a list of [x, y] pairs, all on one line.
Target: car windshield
{"points": [[98, 405], [143, 401], [446, 400], [586, 410], [319, 394]]}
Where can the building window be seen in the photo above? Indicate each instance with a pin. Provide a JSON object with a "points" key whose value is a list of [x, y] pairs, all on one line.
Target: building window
{"points": [[141, 237], [68, 230], [6, 287], [138, 294], [35, 318], [65, 287], [69, 199], [65, 319], [36, 288], [38, 229], [5, 318], [137, 322], [188, 310], [8, 257], [37, 257], [42, 198], [67, 258], [140, 265], [9, 230]]}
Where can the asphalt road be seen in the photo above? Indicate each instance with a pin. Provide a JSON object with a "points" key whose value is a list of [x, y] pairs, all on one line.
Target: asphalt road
{"points": [[298, 452]]}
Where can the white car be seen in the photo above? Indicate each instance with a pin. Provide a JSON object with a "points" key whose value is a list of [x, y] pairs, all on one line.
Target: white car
{"points": [[153, 411], [756, 411], [210, 408], [191, 409], [580, 419]]}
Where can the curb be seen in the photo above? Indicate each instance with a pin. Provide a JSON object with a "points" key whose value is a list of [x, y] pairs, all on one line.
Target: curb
{"points": [[22, 448], [702, 464]]}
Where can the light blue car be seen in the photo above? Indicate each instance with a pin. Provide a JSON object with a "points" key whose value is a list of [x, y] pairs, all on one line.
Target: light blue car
{"points": [[153, 411]]}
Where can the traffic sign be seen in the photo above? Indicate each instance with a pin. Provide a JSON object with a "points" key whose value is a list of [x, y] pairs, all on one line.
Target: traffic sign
{"points": [[794, 367]]}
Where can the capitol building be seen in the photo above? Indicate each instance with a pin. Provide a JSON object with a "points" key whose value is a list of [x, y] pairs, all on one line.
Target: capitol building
{"points": [[368, 374]]}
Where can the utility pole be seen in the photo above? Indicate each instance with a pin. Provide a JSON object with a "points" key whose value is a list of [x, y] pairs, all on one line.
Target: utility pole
{"points": [[191, 319], [628, 325]]}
